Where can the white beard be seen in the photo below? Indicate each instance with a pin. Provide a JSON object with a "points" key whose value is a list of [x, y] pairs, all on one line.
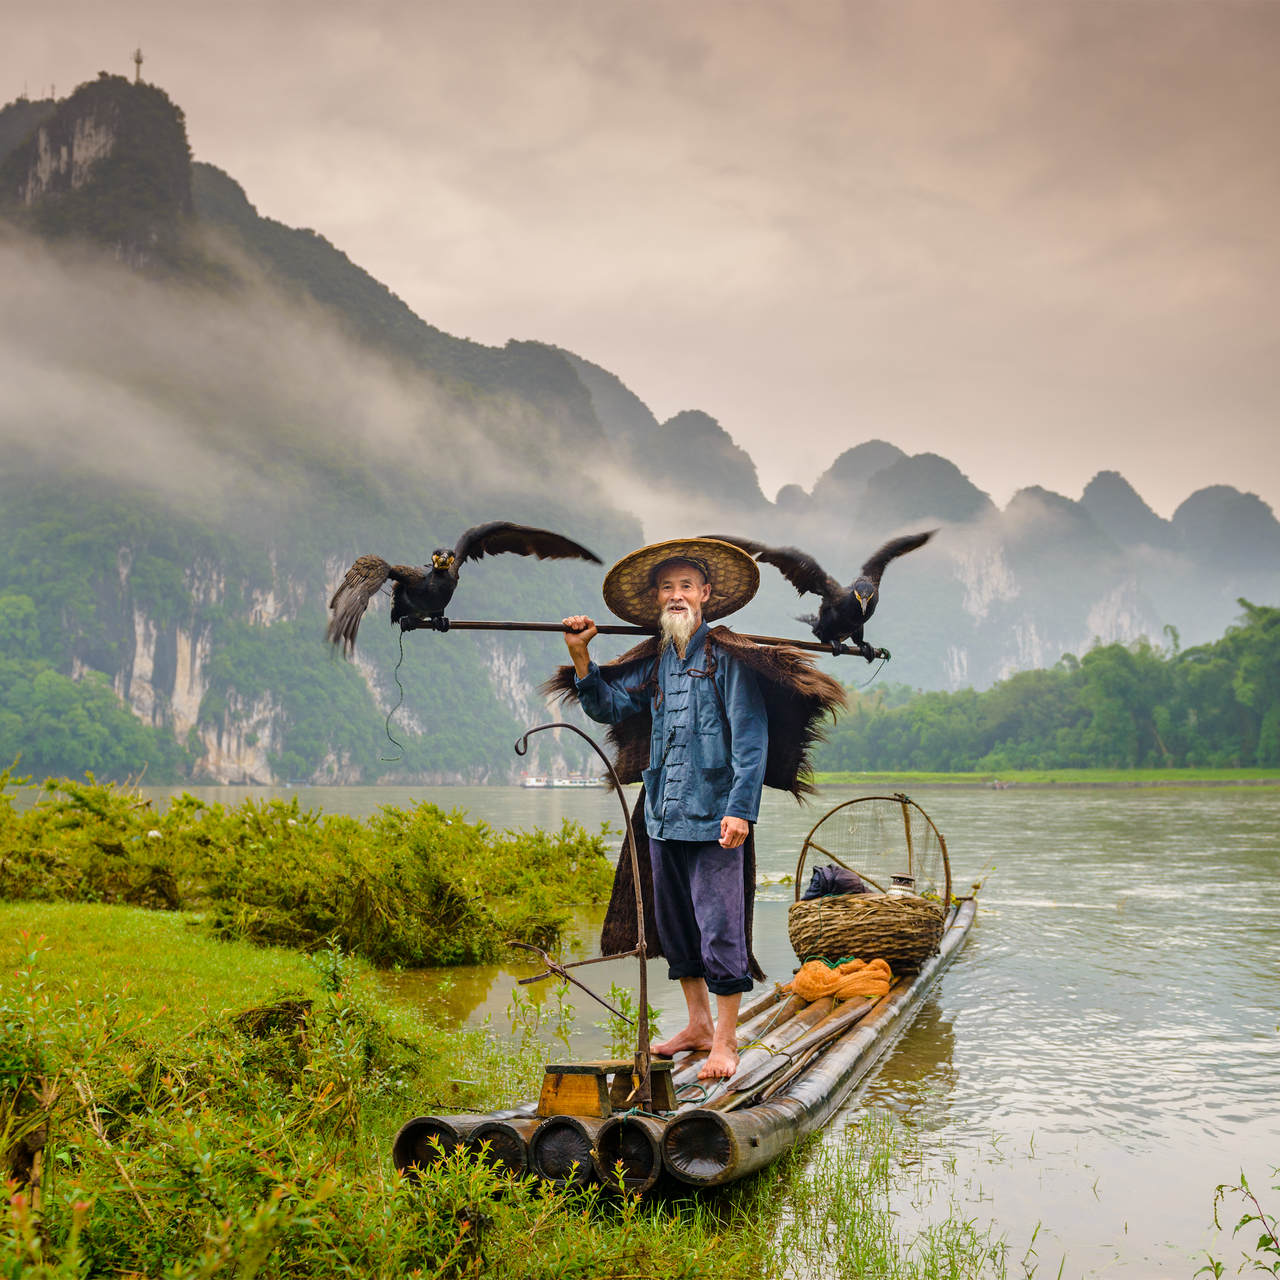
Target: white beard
{"points": [[678, 629]]}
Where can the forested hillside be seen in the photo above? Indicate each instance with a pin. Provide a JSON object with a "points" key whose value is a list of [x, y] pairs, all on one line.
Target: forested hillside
{"points": [[208, 415]]}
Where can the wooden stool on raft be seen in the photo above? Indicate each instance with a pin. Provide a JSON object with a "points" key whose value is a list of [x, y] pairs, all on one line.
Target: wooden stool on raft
{"points": [[584, 1088]]}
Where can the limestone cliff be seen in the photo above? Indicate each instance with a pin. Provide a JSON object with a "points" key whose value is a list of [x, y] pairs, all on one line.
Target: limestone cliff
{"points": [[109, 164]]}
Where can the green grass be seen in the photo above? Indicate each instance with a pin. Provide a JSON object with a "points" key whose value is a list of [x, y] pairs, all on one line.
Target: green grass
{"points": [[1060, 777], [175, 980], [176, 975], [837, 1217], [188, 1120]]}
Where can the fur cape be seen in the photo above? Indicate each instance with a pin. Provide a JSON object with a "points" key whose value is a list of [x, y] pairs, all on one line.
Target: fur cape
{"points": [[797, 698]]}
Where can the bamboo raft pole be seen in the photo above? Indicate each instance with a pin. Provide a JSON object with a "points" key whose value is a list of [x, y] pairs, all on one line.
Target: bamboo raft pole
{"points": [[618, 629]]}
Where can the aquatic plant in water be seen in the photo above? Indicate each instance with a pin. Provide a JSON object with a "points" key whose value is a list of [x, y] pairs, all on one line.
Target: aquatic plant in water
{"points": [[1265, 1254]]}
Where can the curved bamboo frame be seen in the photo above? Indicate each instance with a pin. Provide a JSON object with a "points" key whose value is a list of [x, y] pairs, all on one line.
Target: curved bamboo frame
{"points": [[907, 804]]}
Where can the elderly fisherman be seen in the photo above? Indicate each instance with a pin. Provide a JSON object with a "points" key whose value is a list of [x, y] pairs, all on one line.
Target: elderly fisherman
{"points": [[708, 744]]}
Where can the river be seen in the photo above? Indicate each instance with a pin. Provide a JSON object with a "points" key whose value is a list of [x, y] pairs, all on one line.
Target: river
{"points": [[1102, 1054]]}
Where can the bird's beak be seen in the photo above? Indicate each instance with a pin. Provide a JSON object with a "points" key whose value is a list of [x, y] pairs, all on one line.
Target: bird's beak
{"points": [[861, 599]]}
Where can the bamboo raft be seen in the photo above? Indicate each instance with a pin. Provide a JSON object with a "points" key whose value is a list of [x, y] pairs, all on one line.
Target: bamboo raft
{"points": [[799, 1061]]}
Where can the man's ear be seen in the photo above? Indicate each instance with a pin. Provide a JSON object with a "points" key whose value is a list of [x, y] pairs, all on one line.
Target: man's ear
{"points": [[706, 592]]}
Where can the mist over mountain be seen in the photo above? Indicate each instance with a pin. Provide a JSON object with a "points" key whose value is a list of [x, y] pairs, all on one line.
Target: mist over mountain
{"points": [[209, 414]]}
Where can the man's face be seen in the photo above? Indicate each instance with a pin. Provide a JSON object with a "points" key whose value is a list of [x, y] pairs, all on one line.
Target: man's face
{"points": [[682, 590]]}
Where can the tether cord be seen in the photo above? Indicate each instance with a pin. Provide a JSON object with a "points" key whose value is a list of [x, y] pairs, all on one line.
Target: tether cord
{"points": [[873, 675], [395, 673]]}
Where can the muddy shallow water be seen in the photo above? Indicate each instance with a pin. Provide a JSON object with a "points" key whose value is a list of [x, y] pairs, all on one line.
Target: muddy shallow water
{"points": [[1102, 1054]]}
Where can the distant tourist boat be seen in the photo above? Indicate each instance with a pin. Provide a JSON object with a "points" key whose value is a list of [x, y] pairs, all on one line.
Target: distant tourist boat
{"points": [[573, 780]]}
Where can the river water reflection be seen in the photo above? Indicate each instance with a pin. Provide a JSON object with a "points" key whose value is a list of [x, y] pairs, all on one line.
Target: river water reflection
{"points": [[1102, 1054]]}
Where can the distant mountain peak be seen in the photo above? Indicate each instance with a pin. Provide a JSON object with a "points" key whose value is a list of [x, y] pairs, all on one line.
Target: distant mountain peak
{"points": [[843, 484], [719, 468], [1221, 526], [792, 499], [924, 486], [109, 164], [1121, 513], [623, 416], [1045, 521]]}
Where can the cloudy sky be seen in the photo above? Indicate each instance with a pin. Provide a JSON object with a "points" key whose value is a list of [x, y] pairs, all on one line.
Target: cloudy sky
{"points": [[1036, 236]]}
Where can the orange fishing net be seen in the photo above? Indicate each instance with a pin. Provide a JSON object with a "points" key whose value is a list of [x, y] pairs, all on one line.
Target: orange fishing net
{"points": [[853, 978]]}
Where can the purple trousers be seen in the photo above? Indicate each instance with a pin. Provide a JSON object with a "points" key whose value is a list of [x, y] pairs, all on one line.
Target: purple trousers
{"points": [[701, 915]]}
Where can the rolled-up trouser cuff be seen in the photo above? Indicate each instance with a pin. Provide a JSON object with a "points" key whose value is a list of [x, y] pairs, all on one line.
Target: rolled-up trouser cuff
{"points": [[729, 987]]}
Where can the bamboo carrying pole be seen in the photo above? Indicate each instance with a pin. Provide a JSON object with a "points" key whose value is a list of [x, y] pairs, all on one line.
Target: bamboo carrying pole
{"points": [[612, 629]]}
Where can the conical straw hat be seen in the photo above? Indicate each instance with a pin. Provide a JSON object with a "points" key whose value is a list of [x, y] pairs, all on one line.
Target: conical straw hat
{"points": [[629, 587]]}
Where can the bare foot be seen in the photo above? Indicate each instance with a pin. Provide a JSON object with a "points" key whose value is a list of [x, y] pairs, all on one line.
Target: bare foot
{"points": [[721, 1063], [691, 1038]]}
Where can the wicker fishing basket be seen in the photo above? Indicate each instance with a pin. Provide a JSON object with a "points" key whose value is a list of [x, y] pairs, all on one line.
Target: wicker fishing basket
{"points": [[902, 930], [883, 839]]}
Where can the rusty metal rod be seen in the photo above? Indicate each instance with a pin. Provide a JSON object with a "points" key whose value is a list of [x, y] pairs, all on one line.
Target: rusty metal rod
{"points": [[642, 1094], [554, 970], [612, 629]]}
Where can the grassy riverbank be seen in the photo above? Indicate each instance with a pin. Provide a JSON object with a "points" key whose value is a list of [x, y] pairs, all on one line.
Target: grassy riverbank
{"points": [[207, 1108], [1062, 778]]}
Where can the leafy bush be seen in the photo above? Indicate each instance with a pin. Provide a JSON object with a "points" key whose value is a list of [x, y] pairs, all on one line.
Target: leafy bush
{"points": [[407, 887]]}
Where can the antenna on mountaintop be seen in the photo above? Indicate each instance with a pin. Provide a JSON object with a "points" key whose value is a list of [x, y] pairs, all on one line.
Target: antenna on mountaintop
{"points": [[137, 65]]}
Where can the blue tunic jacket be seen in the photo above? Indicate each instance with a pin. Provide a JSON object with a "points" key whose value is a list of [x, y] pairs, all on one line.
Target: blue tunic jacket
{"points": [[704, 763]]}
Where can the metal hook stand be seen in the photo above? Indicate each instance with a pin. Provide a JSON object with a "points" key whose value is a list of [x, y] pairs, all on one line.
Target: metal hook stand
{"points": [[643, 1092]]}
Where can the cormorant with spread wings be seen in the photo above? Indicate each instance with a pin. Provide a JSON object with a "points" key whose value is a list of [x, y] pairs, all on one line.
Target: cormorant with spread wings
{"points": [[844, 611], [421, 595]]}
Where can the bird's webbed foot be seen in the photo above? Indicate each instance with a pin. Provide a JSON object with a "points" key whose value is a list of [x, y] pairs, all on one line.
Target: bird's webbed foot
{"points": [[438, 622]]}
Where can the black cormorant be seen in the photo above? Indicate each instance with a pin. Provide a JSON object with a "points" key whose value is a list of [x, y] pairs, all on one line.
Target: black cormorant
{"points": [[421, 595], [844, 610]]}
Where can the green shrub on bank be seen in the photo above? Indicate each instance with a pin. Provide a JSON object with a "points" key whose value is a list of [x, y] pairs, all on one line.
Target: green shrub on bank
{"points": [[406, 887]]}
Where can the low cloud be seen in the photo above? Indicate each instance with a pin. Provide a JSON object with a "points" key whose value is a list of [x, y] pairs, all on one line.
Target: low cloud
{"points": [[215, 398]]}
